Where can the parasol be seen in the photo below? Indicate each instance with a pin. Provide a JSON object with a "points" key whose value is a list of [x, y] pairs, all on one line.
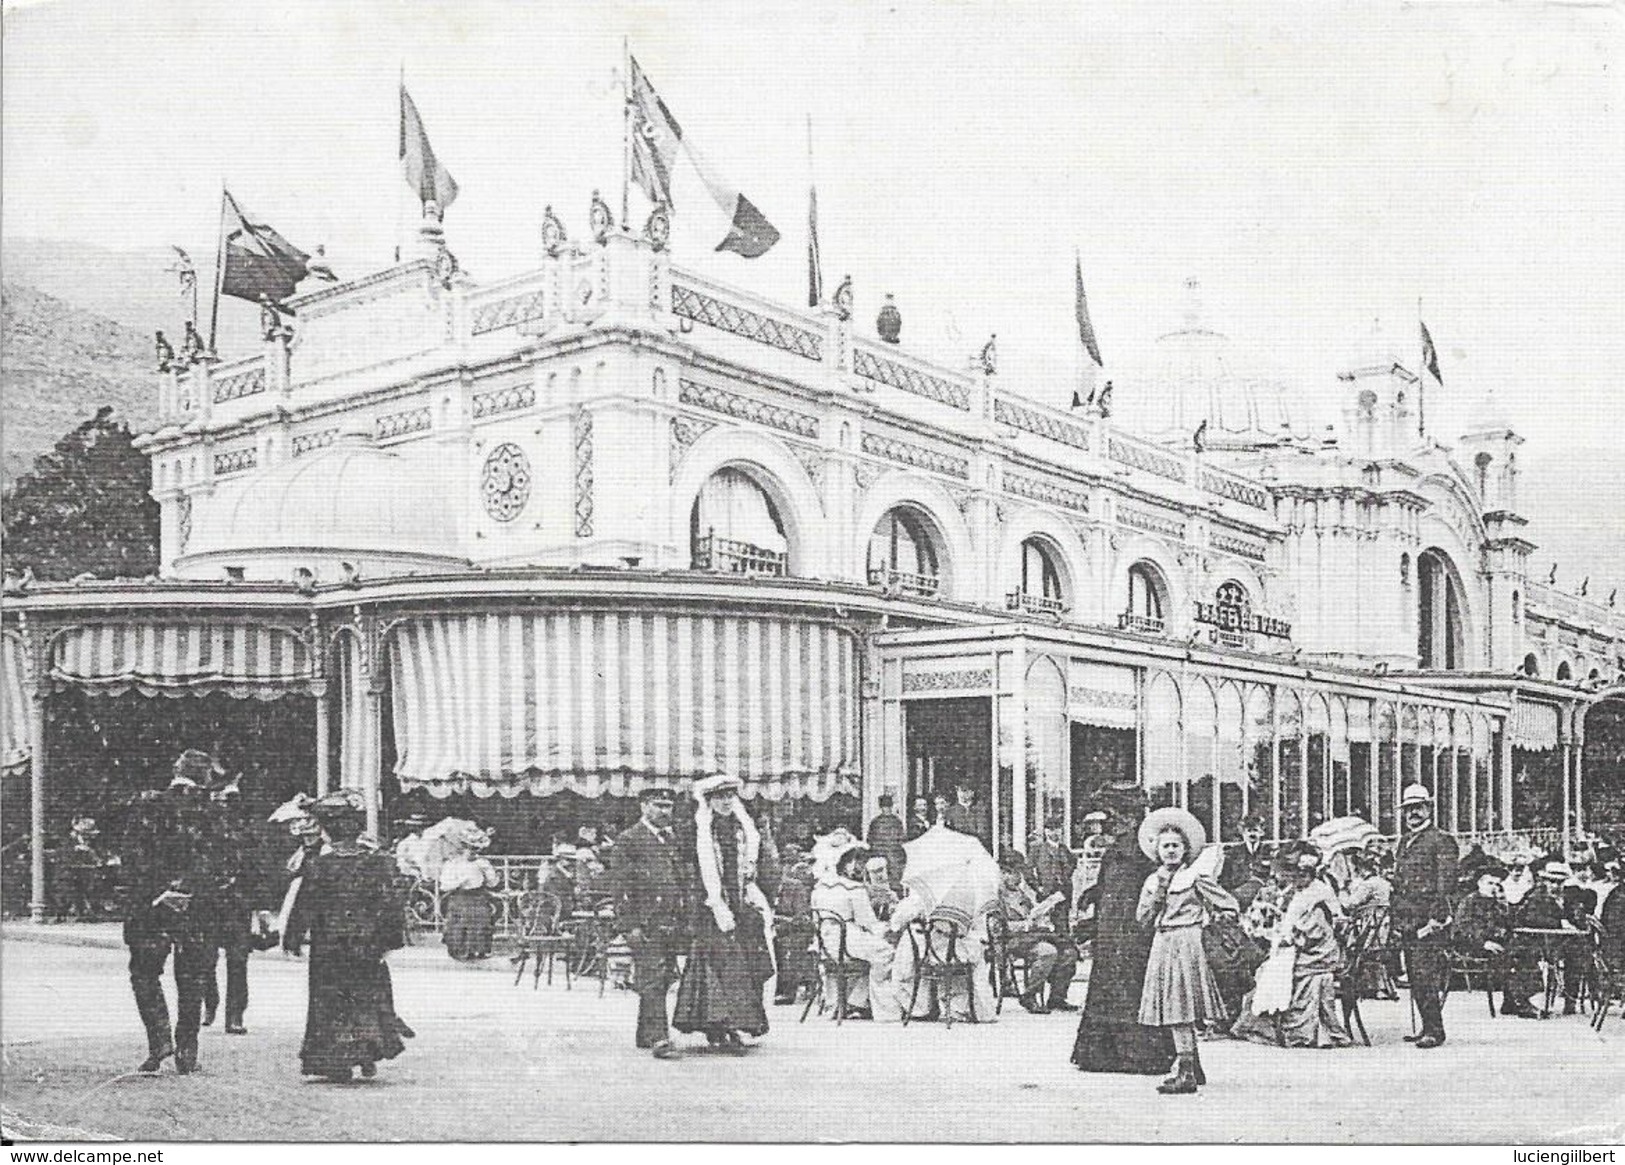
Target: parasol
{"points": [[951, 874], [443, 840], [1341, 834]]}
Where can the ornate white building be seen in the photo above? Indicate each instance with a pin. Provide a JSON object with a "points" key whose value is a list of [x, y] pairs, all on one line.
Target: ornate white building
{"points": [[611, 522]]}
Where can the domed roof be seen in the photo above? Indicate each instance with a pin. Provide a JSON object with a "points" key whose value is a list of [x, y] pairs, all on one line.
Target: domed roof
{"points": [[350, 496], [1197, 374]]}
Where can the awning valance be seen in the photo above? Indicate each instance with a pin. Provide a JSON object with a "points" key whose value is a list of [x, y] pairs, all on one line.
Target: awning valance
{"points": [[182, 659], [1534, 726], [606, 702], [1102, 694], [16, 744]]}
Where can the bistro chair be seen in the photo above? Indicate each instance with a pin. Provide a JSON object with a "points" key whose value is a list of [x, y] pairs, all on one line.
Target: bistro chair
{"points": [[834, 962], [1470, 967], [1607, 974], [1007, 970], [937, 958], [1366, 942], [543, 938]]}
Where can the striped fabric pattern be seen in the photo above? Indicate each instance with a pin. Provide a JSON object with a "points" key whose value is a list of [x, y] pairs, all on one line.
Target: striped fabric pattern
{"points": [[358, 742], [16, 744], [606, 702], [174, 659]]}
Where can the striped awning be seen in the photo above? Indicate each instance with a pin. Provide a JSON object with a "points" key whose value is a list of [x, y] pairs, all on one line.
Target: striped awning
{"points": [[607, 702], [1534, 726], [16, 744], [182, 659]]}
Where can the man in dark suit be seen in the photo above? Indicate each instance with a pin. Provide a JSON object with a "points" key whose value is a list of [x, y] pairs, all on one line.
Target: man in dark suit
{"points": [[966, 816], [173, 853], [1248, 855], [1424, 883], [885, 837], [652, 905]]}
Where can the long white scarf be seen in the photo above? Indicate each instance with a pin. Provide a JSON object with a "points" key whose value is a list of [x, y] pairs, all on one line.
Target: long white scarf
{"points": [[750, 845]]}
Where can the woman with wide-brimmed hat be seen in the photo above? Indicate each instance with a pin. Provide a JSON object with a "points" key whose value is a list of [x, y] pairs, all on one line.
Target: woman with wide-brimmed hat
{"points": [[1177, 900], [729, 961]]}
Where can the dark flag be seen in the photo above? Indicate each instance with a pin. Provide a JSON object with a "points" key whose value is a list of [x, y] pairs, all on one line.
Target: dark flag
{"points": [[256, 261], [1086, 330], [656, 142], [424, 173], [1430, 355], [815, 265]]}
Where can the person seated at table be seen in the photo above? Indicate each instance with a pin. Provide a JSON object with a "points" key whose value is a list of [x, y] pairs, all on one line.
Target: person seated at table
{"points": [[560, 880], [1483, 929], [593, 887], [841, 892], [1545, 910], [1368, 891], [877, 880], [1051, 958], [792, 925], [466, 881], [1294, 999]]}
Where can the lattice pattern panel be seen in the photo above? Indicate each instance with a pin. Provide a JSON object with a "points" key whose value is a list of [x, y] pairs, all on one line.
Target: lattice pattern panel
{"points": [[727, 317], [746, 408], [916, 455], [1236, 491], [183, 521], [1038, 490], [912, 380], [508, 313], [310, 442], [235, 460], [1152, 523], [1031, 421], [948, 681], [1138, 457], [503, 400], [242, 384], [1240, 547], [400, 424], [583, 441]]}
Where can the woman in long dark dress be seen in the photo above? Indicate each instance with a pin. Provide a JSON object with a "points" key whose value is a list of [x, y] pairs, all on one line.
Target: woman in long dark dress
{"points": [[350, 908], [1110, 1037], [729, 962]]}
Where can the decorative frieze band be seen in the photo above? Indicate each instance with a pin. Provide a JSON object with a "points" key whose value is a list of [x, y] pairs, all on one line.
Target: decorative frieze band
{"points": [[727, 317], [242, 384], [236, 460], [911, 380], [959, 680], [1101, 698], [1240, 547], [503, 400], [1138, 457], [308, 442], [1039, 490], [509, 313], [744, 408], [399, 424], [1237, 491], [1031, 421], [916, 455], [1150, 522]]}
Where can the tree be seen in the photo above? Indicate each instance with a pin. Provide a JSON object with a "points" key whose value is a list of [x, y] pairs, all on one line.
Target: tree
{"points": [[85, 508]]}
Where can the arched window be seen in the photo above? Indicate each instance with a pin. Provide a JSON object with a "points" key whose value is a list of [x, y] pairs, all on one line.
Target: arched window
{"points": [[1440, 600], [1517, 607], [902, 554], [1564, 672], [735, 527], [1531, 665], [1147, 600], [1595, 677], [1038, 581]]}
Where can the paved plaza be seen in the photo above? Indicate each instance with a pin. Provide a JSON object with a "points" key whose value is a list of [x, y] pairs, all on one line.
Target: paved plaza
{"points": [[496, 1062]]}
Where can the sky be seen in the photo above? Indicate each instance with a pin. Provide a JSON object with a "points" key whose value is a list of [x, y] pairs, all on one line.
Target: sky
{"points": [[1314, 167]]}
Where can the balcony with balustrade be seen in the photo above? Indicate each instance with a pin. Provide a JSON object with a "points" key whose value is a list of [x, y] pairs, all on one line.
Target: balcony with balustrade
{"points": [[1035, 604], [904, 582], [1141, 624], [731, 556]]}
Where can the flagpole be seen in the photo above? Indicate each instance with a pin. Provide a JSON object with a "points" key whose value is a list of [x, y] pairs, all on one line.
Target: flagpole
{"points": [[815, 277], [219, 268], [400, 193], [626, 131], [1421, 379]]}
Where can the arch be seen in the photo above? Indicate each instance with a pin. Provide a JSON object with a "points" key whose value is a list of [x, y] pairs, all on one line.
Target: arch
{"points": [[1531, 665], [1156, 553], [1066, 550], [1148, 603], [771, 465], [1164, 708], [1442, 623], [1564, 673], [956, 551], [735, 526]]}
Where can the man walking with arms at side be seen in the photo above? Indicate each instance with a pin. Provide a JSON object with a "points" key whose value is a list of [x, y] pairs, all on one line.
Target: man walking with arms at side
{"points": [[652, 906], [1424, 881]]}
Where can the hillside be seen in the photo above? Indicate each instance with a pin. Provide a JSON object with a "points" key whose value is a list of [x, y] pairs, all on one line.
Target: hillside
{"points": [[60, 364]]}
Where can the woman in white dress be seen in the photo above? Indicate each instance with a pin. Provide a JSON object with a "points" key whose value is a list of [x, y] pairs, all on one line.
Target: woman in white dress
{"points": [[840, 891]]}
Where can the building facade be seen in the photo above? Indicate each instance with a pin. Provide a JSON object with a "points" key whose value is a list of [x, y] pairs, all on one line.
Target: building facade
{"points": [[611, 522]]}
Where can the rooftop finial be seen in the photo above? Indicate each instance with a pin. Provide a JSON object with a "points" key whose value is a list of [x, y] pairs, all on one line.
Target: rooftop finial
{"points": [[1193, 303]]}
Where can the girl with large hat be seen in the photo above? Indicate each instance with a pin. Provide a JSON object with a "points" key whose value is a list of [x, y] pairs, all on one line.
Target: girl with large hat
{"points": [[729, 962], [1177, 900]]}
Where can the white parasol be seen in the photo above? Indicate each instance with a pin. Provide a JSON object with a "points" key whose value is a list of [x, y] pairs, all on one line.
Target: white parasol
{"points": [[1341, 834], [951, 875], [443, 840]]}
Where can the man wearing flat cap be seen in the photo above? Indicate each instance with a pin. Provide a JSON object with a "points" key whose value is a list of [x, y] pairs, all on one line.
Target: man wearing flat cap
{"points": [[652, 904], [1424, 882], [1252, 854]]}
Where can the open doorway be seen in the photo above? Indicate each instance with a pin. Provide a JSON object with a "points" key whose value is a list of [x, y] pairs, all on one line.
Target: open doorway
{"points": [[950, 744]]}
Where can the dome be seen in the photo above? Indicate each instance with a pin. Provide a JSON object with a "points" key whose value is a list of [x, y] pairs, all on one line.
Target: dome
{"points": [[350, 497], [1197, 374]]}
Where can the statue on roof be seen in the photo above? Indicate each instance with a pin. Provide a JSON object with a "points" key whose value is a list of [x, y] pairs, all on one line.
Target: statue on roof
{"points": [[843, 299], [990, 356], [1199, 438], [600, 219], [166, 353], [1104, 403], [191, 344], [553, 233]]}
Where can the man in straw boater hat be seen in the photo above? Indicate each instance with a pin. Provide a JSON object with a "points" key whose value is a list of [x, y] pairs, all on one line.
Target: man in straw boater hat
{"points": [[652, 904], [1424, 881], [1110, 1037]]}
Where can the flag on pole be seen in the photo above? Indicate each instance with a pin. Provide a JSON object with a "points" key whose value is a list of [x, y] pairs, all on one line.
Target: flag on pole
{"points": [[256, 261], [1430, 355], [657, 140], [424, 173], [1086, 330], [815, 266]]}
